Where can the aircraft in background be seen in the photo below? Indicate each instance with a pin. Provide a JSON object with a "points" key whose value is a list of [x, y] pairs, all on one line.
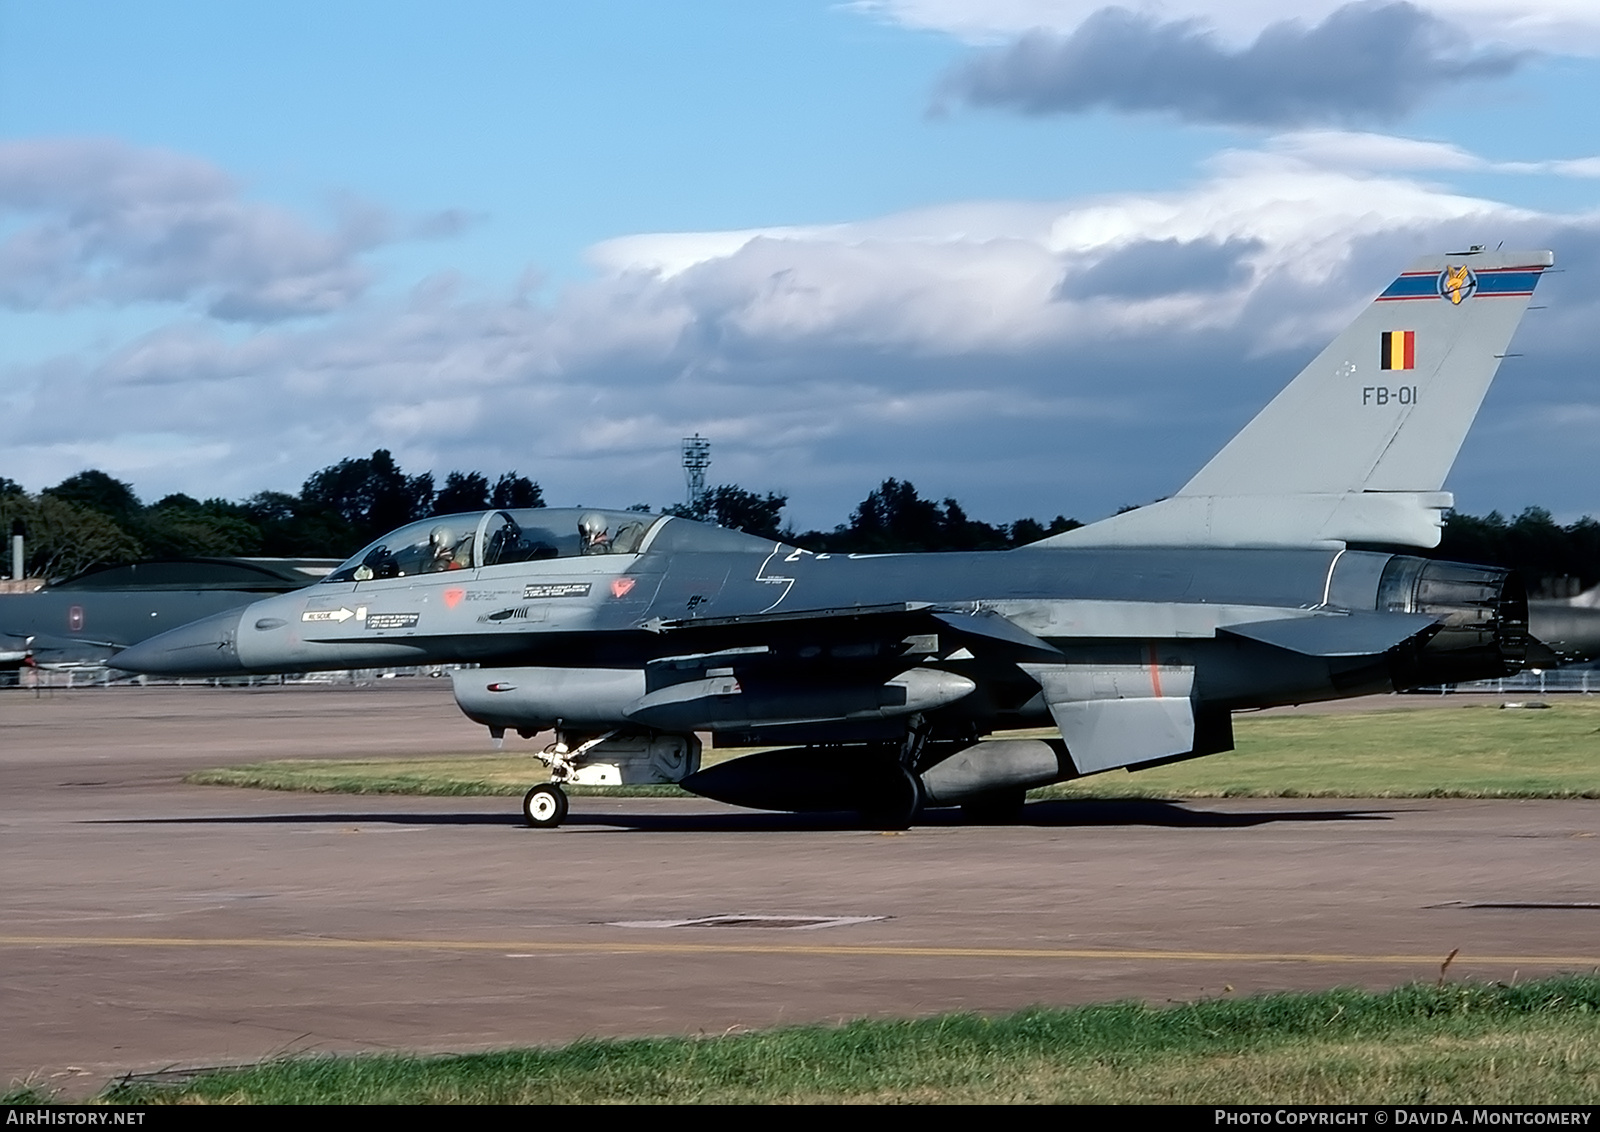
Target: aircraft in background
{"points": [[1565, 630], [878, 677], [83, 621]]}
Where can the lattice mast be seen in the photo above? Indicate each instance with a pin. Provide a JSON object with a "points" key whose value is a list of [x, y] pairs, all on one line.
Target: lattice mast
{"points": [[696, 459]]}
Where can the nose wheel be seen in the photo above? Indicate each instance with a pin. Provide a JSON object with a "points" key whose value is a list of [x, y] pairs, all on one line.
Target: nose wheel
{"points": [[545, 806]]}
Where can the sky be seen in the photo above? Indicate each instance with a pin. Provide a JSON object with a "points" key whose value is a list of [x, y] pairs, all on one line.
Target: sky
{"points": [[1043, 256]]}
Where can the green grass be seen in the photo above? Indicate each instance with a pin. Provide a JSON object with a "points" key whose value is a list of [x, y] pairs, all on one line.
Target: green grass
{"points": [[1478, 751], [1444, 752], [1538, 1043], [450, 776], [21, 1092]]}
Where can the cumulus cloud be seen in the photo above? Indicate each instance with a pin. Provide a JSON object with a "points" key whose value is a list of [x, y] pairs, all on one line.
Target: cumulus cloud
{"points": [[1008, 354], [1147, 268], [1351, 150], [992, 276], [1560, 26], [98, 220], [1366, 61]]}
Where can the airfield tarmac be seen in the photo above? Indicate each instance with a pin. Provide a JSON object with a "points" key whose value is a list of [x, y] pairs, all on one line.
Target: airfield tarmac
{"points": [[150, 925]]}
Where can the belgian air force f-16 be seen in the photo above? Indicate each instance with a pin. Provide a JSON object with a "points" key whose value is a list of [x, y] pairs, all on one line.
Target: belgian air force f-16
{"points": [[877, 678]]}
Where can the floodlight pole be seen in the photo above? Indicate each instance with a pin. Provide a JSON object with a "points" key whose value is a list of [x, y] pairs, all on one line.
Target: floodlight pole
{"points": [[696, 459]]}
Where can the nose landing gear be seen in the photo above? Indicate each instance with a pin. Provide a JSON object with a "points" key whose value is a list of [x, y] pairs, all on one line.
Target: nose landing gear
{"points": [[545, 806]]}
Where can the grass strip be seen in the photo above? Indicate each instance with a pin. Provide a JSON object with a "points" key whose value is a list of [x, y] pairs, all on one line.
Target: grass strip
{"points": [[1445, 752], [451, 776], [1478, 751], [1537, 1043]]}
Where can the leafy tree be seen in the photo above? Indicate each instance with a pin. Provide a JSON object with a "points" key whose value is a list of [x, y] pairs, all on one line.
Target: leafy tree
{"points": [[1533, 543], [1024, 531], [178, 501], [97, 491], [370, 496], [349, 504], [62, 538], [730, 505], [894, 517], [462, 491], [291, 528], [338, 510], [512, 491], [180, 526], [962, 533], [271, 507]]}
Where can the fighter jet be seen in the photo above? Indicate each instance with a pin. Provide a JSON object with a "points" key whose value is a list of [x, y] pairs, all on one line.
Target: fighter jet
{"points": [[82, 621], [882, 680]]}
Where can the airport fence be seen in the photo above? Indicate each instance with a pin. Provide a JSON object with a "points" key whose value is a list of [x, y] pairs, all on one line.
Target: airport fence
{"points": [[1534, 682], [100, 677]]}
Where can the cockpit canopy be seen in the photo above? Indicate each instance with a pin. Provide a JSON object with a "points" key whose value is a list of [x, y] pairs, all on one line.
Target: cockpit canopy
{"points": [[494, 538]]}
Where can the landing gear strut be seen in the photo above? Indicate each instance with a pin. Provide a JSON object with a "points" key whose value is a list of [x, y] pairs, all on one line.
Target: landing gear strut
{"points": [[897, 799], [545, 806], [896, 802]]}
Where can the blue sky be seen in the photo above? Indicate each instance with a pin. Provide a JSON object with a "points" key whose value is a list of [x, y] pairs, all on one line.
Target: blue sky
{"points": [[244, 243]]}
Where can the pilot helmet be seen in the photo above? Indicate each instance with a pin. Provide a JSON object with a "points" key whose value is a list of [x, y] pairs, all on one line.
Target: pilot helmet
{"points": [[441, 538], [592, 528]]}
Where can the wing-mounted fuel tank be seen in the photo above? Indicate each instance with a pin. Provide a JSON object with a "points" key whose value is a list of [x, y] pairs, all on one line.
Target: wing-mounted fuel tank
{"points": [[723, 698], [528, 700], [686, 694], [858, 777], [1481, 611]]}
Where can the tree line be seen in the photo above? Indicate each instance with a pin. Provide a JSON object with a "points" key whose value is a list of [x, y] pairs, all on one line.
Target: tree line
{"points": [[1533, 543], [92, 519], [893, 517]]}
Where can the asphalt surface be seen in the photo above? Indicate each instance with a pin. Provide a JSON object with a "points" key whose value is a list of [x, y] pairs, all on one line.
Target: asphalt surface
{"points": [[151, 925]]}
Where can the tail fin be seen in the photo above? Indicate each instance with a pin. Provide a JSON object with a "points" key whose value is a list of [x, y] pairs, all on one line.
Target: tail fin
{"points": [[1358, 445]]}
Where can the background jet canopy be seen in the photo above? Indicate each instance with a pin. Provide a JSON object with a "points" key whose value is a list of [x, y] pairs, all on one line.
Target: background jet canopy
{"points": [[495, 538]]}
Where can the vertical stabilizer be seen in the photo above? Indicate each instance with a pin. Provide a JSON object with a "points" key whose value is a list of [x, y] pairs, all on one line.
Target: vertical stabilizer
{"points": [[1357, 447], [1387, 405]]}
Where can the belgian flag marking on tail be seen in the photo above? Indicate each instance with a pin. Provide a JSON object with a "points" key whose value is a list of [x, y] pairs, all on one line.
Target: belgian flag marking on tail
{"points": [[1399, 350]]}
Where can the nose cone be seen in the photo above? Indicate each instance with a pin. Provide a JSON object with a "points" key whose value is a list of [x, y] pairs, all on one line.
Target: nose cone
{"points": [[201, 648]]}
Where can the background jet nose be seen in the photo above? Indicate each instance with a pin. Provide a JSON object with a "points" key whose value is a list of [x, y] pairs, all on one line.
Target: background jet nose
{"points": [[201, 648]]}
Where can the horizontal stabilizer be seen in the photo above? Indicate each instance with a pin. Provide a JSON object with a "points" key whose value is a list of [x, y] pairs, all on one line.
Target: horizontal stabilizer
{"points": [[1339, 634], [1106, 734], [1119, 714]]}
